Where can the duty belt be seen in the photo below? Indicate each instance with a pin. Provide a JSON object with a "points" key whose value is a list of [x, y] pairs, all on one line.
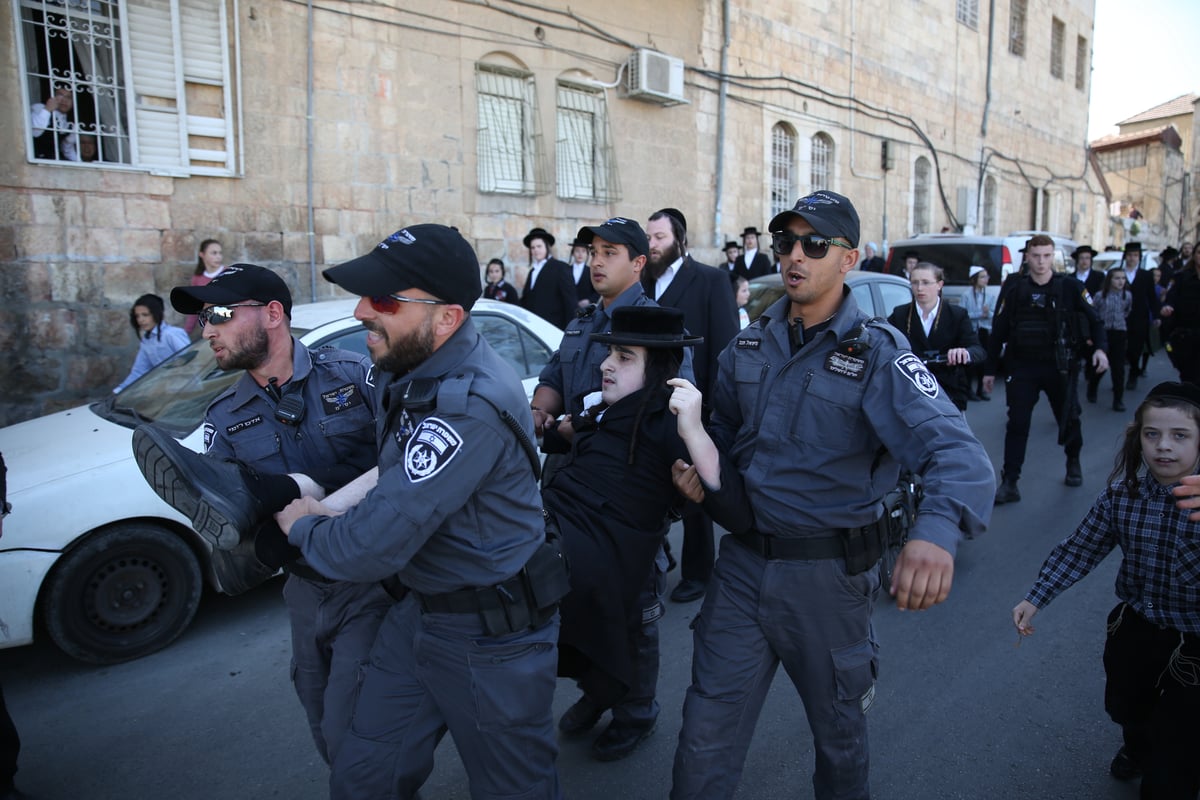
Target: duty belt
{"points": [[861, 547], [506, 607], [301, 570]]}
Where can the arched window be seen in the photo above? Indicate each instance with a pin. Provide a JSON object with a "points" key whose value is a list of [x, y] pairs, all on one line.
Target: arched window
{"points": [[783, 170], [922, 221], [990, 225], [822, 162]]}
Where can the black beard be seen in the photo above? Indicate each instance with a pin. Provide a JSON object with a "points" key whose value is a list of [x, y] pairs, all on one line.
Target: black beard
{"points": [[405, 355], [251, 353], [669, 257]]}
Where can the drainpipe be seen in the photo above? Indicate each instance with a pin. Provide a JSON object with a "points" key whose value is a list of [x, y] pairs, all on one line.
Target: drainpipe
{"points": [[987, 99], [718, 207], [308, 146]]}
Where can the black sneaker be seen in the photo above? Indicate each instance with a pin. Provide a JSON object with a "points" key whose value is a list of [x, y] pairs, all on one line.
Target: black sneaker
{"points": [[580, 718], [619, 740], [1123, 767], [1007, 493], [210, 492]]}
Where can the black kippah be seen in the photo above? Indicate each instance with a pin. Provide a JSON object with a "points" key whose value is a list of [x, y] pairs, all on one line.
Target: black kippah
{"points": [[1172, 390]]}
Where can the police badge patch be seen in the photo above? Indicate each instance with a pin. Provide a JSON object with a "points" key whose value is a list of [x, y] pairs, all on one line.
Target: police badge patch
{"points": [[910, 366], [210, 432], [431, 447]]}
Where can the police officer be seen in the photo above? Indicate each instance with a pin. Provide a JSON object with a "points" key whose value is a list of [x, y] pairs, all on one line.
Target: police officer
{"points": [[1047, 324], [293, 410], [813, 408], [456, 518], [1181, 321]]}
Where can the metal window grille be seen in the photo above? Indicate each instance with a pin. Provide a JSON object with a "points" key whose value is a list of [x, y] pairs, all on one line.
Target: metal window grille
{"points": [[1058, 39], [1082, 63], [584, 157], [783, 170], [967, 12], [1127, 158], [921, 208], [508, 139], [1016, 27], [822, 161], [990, 191]]}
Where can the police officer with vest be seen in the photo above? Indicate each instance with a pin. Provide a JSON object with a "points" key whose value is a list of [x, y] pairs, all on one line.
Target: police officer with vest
{"points": [[1048, 326], [814, 411], [456, 518], [310, 413]]}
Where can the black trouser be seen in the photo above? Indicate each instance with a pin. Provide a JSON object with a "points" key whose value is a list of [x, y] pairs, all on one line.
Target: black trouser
{"points": [[1026, 380], [10, 747], [976, 370], [1136, 336], [1185, 353], [1148, 694], [696, 561], [1116, 365]]}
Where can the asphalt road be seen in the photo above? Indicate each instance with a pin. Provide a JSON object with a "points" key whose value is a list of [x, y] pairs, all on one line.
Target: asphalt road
{"points": [[961, 710]]}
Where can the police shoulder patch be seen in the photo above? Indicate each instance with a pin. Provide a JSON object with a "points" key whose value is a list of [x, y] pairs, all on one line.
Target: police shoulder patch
{"points": [[911, 367], [210, 431], [432, 446]]}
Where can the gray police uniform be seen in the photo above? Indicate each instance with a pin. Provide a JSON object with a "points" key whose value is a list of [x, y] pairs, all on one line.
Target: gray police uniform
{"points": [[333, 622], [456, 509], [809, 445]]}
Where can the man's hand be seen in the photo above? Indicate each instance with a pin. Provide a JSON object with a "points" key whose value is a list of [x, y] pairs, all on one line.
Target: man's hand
{"points": [[988, 383], [1188, 493], [1023, 615], [956, 356], [1100, 361], [304, 507], [541, 421], [923, 574], [687, 481], [686, 403]]}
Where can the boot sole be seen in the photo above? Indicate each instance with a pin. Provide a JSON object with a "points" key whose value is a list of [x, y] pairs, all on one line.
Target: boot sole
{"points": [[211, 517]]}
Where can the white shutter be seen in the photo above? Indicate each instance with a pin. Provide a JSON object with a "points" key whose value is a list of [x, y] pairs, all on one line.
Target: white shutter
{"points": [[203, 34], [158, 95]]}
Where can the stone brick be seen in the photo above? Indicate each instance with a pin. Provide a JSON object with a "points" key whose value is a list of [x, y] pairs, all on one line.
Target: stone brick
{"points": [[142, 245], [90, 371], [40, 242], [51, 329], [103, 244], [75, 283], [104, 212], [295, 247], [147, 213], [56, 209], [33, 374], [264, 248], [338, 249], [325, 221], [179, 247], [123, 282]]}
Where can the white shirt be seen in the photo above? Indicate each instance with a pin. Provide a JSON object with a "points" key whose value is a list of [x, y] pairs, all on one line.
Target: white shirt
{"points": [[927, 321], [578, 269], [665, 279], [534, 270], [39, 119], [750, 254]]}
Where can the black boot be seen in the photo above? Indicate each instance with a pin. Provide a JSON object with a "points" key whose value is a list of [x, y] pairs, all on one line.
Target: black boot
{"points": [[1007, 493], [1074, 472]]}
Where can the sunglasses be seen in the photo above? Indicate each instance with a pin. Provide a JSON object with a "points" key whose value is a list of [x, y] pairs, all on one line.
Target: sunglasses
{"points": [[390, 303], [814, 246], [219, 315]]}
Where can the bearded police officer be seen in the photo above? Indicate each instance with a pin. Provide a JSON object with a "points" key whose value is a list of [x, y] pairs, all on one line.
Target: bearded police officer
{"points": [[456, 518], [1047, 324], [814, 411]]}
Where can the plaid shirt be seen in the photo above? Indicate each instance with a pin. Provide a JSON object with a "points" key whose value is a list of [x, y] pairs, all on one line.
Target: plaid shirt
{"points": [[1160, 572]]}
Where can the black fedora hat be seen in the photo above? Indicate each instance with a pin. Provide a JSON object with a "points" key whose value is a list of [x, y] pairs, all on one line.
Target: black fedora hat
{"points": [[539, 233], [647, 326], [1133, 247], [581, 238], [751, 231], [1084, 248], [728, 245]]}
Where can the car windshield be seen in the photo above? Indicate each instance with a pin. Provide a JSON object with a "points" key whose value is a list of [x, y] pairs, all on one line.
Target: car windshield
{"points": [[956, 258]]}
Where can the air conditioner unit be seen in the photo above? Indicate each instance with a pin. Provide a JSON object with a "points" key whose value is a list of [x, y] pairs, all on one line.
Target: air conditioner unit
{"points": [[655, 77]]}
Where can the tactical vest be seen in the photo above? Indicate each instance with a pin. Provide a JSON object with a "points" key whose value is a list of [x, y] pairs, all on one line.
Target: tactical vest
{"points": [[1033, 333]]}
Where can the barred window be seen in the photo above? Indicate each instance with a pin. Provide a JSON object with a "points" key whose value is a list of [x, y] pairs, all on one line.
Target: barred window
{"points": [[507, 143], [1126, 158], [968, 13], [1082, 62], [1058, 44], [783, 167], [584, 154], [147, 81], [921, 196], [822, 162], [1016, 27], [990, 207]]}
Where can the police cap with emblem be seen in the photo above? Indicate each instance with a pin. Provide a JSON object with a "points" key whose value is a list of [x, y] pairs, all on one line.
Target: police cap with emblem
{"points": [[619, 230], [432, 258], [647, 326], [235, 284], [829, 213]]}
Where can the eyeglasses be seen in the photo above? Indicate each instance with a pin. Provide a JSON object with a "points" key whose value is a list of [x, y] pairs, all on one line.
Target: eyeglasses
{"points": [[814, 246], [390, 303], [219, 315]]}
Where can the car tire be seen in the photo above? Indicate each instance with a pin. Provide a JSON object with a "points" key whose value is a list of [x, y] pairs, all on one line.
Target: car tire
{"points": [[123, 593]]}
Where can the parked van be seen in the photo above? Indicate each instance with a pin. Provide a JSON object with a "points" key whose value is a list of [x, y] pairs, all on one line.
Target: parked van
{"points": [[956, 253]]}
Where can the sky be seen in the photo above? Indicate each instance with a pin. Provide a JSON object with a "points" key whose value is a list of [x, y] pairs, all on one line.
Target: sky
{"points": [[1143, 53]]}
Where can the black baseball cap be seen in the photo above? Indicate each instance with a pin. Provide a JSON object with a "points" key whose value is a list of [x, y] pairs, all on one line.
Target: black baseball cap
{"points": [[619, 230], [432, 258], [829, 213], [235, 284]]}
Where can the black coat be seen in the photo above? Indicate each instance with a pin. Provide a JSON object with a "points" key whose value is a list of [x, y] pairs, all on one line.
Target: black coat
{"points": [[761, 265], [553, 296], [613, 517], [503, 291], [583, 287], [951, 328], [705, 297], [1145, 305], [1094, 281]]}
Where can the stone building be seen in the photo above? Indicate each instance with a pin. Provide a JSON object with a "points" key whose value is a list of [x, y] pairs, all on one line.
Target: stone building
{"points": [[209, 122]]}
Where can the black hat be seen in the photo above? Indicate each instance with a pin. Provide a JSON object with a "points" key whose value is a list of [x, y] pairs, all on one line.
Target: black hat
{"points": [[579, 239], [675, 214], [912, 254], [829, 213], [1133, 247], [647, 326], [619, 230], [1167, 254], [1187, 392], [751, 231], [731, 244], [539, 233], [1084, 248], [432, 258], [236, 283]]}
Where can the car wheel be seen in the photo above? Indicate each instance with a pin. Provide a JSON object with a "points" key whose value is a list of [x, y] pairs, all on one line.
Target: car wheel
{"points": [[123, 593]]}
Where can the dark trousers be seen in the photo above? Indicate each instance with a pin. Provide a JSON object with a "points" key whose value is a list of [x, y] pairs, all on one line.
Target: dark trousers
{"points": [[1116, 366], [1184, 352], [1153, 694], [1026, 380], [696, 562], [1135, 343], [10, 747]]}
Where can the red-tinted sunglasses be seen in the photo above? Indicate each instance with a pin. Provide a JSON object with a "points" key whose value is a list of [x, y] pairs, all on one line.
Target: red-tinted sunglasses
{"points": [[390, 303]]}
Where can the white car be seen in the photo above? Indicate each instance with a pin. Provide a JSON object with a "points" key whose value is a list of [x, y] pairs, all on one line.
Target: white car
{"points": [[109, 569]]}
